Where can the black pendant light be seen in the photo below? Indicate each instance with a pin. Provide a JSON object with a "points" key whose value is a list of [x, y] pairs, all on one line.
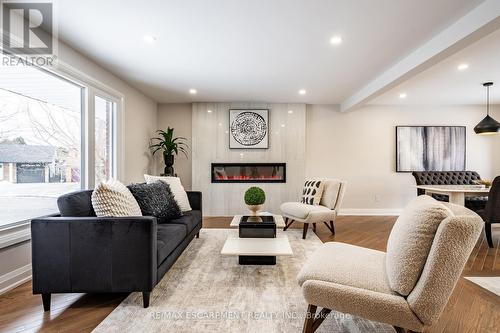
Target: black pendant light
{"points": [[488, 125]]}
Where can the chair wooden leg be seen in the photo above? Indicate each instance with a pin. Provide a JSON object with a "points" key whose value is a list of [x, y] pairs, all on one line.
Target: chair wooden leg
{"points": [[487, 231], [287, 225], [330, 227], [313, 320], [304, 230], [402, 330], [314, 227], [197, 235]]}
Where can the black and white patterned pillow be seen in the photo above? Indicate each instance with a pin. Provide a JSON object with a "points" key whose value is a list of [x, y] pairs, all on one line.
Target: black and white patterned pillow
{"points": [[312, 192], [156, 199]]}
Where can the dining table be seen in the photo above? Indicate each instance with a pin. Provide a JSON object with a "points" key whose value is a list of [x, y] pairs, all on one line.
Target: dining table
{"points": [[456, 193]]}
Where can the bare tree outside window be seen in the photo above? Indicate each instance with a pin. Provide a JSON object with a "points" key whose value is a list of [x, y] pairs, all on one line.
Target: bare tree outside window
{"points": [[40, 134]]}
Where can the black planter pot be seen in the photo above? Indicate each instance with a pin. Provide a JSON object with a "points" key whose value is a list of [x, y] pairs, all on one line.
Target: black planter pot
{"points": [[169, 165]]}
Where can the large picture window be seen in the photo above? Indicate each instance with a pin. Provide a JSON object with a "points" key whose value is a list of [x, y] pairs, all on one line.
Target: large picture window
{"points": [[40, 141], [42, 119]]}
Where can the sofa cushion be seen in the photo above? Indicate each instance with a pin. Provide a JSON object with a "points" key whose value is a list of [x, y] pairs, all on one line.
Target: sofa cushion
{"points": [[76, 204], [189, 219], [312, 192], [176, 187], [301, 210], [410, 242], [169, 237], [156, 199], [112, 198]]}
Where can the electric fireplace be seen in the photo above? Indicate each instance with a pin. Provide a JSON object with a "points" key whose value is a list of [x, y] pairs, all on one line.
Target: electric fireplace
{"points": [[248, 172]]}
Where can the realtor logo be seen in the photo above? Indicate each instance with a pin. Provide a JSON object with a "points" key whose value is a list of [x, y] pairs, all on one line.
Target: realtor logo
{"points": [[27, 28]]}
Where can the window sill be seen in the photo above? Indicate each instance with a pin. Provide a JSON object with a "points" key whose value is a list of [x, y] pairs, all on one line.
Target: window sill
{"points": [[15, 233]]}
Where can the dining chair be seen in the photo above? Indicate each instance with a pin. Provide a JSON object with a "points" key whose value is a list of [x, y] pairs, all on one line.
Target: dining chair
{"points": [[491, 214]]}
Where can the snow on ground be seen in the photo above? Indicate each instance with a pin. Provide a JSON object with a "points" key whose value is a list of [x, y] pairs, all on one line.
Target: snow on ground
{"points": [[19, 202]]}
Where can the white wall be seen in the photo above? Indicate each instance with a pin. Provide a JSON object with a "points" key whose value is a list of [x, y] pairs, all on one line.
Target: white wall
{"points": [[211, 145], [179, 117], [359, 146]]}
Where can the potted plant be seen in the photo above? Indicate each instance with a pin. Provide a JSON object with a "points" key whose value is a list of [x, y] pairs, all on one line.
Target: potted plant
{"points": [[254, 199], [170, 146]]}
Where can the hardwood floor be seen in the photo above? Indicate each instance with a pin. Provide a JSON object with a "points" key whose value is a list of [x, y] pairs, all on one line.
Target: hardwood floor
{"points": [[470, 309]]}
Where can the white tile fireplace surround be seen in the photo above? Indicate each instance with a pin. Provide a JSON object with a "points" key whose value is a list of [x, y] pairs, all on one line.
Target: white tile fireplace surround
{"points": [[210, 130]]}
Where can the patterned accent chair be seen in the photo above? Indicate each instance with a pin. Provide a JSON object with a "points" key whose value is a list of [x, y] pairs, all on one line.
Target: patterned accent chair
{"points": [[451, 178], [409, 285]]}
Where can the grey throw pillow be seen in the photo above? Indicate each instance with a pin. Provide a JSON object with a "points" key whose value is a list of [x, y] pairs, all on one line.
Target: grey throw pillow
{"points": [[156, 199]]}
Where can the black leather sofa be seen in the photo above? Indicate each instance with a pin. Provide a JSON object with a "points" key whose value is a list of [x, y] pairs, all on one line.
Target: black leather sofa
{"points": [[451, 178], [78, 252]]}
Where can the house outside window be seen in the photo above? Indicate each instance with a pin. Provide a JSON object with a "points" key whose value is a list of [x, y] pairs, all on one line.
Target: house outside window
{"points": [[43, 140]]}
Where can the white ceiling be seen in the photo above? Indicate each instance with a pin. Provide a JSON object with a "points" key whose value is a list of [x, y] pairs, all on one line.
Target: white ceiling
{"points": [[260, 50], [444, 84]]}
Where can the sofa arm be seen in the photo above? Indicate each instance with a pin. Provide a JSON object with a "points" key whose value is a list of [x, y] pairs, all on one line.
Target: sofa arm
{"points": [[195, 200], [94, 254]]}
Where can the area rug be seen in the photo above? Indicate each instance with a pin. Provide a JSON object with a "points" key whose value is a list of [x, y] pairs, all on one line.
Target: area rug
{"points": [[489, 283], [207, 292]]}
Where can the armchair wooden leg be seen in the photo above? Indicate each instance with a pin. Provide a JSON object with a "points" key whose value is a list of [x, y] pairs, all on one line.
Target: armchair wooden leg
{"points": [[304, 230], [288, 224], [145, 298], [46, 302], [313, 320], [487, 231], [198, 234], [314, 227], [402, 330], [330, 226]]}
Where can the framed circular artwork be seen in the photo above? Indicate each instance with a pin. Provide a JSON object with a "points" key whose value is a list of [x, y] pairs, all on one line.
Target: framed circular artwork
{"points": [[249, 128]]}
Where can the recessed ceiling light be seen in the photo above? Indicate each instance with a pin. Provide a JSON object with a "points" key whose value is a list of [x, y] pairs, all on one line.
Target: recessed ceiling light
{"points": [[462, 67], [302, 92], [402, 95], [193, 91], [336, 40], [209, 111], [290, 111], [282, 125], [149, 39]]}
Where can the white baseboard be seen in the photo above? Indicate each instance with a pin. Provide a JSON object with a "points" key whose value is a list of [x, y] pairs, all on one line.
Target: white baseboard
{"points": [[15, 278], [371, 211], [353, 212]]}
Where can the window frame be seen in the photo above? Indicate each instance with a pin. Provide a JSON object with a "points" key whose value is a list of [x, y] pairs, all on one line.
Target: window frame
{"points": [[116, 137], [90, 87]]}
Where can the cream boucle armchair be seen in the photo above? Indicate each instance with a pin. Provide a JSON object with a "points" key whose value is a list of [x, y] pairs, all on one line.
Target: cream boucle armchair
{"points": [[409, 285]]}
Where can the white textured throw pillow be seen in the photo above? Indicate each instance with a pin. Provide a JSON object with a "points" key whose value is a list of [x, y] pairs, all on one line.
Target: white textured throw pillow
{"points": [[176, 187], [112, 198], [312, 192]]}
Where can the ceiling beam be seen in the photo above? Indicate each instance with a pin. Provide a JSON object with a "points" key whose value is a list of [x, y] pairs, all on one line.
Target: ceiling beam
{"points": [[479, 22]]}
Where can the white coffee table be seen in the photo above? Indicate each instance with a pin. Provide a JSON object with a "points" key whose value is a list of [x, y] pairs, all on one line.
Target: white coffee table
{"points": [[235, 246], [278, 219], [261, 251]]}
